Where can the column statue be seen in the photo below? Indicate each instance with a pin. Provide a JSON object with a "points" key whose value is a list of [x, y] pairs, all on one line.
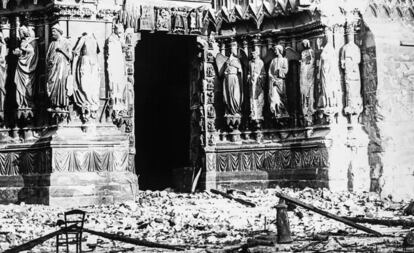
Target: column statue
{"points": [[25, 75], [232, 84], [4, 137], [256, 78], [277, 87], [232, 70], [116, 70], [3, 74], [307, 81], [350, 60], [85, 66], [330, 94], [58, 59]]}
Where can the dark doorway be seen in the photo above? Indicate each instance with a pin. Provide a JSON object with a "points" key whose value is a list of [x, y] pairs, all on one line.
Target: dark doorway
{"points": [[162, 107]]}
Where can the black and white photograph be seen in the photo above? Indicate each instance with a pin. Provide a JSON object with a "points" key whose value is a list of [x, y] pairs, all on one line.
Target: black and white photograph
{"points": [[206, 126]]}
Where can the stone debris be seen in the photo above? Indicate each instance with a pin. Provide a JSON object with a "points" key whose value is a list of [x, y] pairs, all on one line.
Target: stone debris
{"points": [[209, 222], [410, 209]]}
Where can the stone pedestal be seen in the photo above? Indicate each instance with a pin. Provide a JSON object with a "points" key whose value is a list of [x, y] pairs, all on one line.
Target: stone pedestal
{"points": [[333, 157], [359, 179], [338, 157], [70, 168]]}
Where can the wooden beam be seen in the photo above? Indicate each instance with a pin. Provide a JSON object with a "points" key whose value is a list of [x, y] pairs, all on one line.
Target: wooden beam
{"points": [[384, 222], [125, 239], [31, 244], [326, 214], [241, 201]]}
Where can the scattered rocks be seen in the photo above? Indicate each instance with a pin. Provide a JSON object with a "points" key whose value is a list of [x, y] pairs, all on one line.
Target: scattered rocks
{"points": [[205, 220]]}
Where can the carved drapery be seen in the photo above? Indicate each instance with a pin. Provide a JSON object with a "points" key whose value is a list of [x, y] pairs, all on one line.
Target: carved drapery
{"points": [[35, 161], [270, 160], [43, 160], [90, 161]]}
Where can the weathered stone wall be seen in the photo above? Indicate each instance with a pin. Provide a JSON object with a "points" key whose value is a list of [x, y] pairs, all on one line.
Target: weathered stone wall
{"points": [[388, 79]]}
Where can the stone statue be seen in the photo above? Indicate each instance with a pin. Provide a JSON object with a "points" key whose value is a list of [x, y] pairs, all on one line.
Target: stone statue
{"points": [[116, 70], [58, 69], [307, 81], [86, 69], [329, 94], [277, 87], [232, 85], [350, 59], [25, 75], [3, 73], [256, 79]]}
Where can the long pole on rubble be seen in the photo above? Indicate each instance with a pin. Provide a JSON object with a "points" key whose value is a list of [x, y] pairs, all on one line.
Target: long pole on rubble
{"points": [[326, 214], [134, 241]]}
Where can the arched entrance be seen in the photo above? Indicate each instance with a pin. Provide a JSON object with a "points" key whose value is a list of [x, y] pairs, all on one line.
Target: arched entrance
{"points": [[162, 106]]}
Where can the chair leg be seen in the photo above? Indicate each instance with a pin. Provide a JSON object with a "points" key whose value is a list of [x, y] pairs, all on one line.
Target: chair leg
{"points": [[67, 243], [80, 242], [76, 242], [57, 244]]}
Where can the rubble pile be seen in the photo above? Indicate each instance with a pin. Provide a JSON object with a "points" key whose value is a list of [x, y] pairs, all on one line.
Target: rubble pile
{"points": [[207, 222]]}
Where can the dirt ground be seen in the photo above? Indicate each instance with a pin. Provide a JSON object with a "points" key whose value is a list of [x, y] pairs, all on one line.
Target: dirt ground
{"points": [[206, 222]]}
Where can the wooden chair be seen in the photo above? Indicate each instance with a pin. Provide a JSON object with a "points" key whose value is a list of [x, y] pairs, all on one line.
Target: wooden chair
{"points": [[73, 224]]}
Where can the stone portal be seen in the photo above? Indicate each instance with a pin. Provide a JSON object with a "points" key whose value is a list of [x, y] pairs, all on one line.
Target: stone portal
{"points": [[162, 107]]}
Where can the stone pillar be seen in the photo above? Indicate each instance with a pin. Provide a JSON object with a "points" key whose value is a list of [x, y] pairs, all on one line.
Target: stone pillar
{"points": [[209, 116]]}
